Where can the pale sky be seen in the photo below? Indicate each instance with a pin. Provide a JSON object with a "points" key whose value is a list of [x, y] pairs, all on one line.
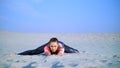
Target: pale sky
{"points": [[60, 16]]}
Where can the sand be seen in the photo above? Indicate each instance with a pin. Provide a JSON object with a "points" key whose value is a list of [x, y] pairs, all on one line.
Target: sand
{"points": [[96, 50]]}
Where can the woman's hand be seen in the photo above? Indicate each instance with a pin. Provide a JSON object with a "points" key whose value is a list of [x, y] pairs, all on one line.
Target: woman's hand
{"points": [[48, 53]]}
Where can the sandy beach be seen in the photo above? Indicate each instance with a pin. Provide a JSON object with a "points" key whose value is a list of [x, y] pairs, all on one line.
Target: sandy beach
{"points": [[96, 50]]}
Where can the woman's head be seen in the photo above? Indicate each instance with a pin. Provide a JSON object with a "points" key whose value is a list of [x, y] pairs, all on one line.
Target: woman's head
{"points": [[53, 43]]}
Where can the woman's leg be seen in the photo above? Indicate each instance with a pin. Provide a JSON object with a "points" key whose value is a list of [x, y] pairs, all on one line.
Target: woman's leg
{"points": [[34, 51], [69, 49], [40, 49], [28, 52]]}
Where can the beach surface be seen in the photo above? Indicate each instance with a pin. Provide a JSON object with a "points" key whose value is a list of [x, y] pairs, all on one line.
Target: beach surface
{"points": [[96, 50]]}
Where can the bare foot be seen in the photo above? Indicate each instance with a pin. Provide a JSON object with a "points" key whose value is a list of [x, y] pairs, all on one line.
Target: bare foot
{"points": [[12, 54]]}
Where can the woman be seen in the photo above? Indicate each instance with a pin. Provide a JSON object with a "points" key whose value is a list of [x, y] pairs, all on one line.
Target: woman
{"points": [[53, 47]]}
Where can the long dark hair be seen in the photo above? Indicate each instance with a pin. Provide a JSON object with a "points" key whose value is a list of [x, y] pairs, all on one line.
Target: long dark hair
{"points": [[53, 40]]}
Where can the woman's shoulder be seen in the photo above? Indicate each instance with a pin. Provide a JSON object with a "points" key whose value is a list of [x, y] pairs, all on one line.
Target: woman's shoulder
{"points": [[46, 48], [60, 44]]}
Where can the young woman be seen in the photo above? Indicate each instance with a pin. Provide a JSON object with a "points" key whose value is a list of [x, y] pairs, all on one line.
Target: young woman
{"points": [[53, 47]]}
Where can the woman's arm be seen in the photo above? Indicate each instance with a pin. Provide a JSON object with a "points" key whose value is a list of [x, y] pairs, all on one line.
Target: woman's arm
{"points": [[47, 51], [61, 52]]}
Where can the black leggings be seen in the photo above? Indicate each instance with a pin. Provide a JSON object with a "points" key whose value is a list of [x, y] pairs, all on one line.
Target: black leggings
{"points": [[40, 50]]}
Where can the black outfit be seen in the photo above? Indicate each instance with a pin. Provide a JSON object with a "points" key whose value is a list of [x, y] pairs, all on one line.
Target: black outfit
{"points": [[40, 50]]}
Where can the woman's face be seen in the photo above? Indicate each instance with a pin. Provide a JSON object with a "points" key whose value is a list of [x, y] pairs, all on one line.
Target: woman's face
{"points": [[53, 46]]}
